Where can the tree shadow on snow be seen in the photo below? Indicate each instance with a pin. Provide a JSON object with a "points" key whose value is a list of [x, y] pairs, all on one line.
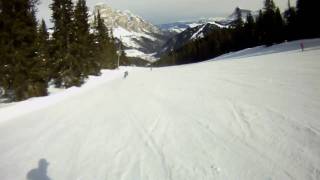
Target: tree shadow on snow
{"points": [[39, 173]]}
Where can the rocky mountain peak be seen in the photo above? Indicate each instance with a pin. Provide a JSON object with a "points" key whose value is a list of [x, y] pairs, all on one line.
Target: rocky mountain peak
{"points": [[124, 19], [140, 38]]}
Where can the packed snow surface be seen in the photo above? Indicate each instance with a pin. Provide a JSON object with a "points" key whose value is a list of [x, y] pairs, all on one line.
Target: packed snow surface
{"points": [[128, 37], [131, 40], [251, 116], [136, 53]]}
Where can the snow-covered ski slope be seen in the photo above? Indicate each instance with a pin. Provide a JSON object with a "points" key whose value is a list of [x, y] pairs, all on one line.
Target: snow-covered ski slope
{"points": [[251, 116]]}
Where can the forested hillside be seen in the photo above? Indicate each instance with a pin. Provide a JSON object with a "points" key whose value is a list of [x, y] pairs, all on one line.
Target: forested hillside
{"points": [[31, 58], [268, 28]]}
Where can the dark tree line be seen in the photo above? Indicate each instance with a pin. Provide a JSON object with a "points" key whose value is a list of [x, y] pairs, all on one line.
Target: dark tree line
{"points": [[31, 58], [269, 27]]}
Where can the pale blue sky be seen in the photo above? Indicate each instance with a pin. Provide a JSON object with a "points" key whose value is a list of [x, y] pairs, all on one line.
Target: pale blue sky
{"points": [[164, 11]]}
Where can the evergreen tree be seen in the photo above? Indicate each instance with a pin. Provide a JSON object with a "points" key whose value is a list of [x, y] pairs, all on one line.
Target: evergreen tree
{"points": [[307, 14], [238, 30], [4, 46], [238, 23], [19, 71], [269, 15], [67, 68], [112, 50], [43, 42], [291, 27], [62, 14], [83, 44], [124, 61], [268, 28], [43, 65], [105, 45], [250, 31], [101, 40], [270, 24], [269, 6], [278, 31], [260, 32]]}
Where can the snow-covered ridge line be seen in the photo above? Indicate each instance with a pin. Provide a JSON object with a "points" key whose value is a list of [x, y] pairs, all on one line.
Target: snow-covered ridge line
{"points": [[198, 34], [133, 31], [222, 22]]}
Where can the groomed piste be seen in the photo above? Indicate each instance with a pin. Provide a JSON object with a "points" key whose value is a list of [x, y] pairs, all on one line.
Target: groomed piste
{"points": [[248, 115]]}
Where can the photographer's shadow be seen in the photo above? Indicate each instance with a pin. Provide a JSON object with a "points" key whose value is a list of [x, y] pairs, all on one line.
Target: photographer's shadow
{"points": [[39, 173]]}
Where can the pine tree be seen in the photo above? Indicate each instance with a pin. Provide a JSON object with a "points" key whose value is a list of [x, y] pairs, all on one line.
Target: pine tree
{"points": [[278, 32], [19, 65], [269, 22], [260, 32], [291, 27], [82, 47], [269, 18], [43, 41], [238, 31], [101, 39], [62, 14], [4, 46], [112, 49], [105, 45], [124, 61], [250, 31], [269, 6], [238, 22], [307, 14], [67, 68]]}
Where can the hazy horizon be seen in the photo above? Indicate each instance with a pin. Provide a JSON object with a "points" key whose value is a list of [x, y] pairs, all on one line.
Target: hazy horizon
{"points": [[167, 11]]}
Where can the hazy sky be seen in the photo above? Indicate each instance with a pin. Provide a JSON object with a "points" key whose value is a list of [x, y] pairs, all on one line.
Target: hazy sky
{"points": [[163, 11]]}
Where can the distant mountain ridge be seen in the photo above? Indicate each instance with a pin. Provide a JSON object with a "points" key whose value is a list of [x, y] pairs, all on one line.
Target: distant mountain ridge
{"points": [[140, 38], [125, 19], [191, 30], [180, 26], [188, 35], [145, 41]]}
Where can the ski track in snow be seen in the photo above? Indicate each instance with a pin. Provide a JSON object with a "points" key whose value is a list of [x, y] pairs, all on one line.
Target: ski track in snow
{"points": [[252, 115]]}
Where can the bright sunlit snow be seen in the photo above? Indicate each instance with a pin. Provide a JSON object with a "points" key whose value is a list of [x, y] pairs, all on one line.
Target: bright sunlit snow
{"points": [[140, 54], [249, 115], [127, 37]]}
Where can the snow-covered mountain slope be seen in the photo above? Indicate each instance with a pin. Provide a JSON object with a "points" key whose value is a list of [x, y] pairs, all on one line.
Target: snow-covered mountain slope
{"points": [[248, 117], [222, 22], [126, 19], [134, 32], [179, 27], [191, 30], [188, 35]]}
